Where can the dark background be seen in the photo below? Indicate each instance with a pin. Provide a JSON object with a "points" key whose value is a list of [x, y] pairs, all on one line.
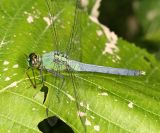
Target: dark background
{"points": [[128, 19]]}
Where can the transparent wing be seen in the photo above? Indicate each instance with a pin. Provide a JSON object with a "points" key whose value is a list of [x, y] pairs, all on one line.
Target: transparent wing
{"points": [[74, 52], [66, 24], [53, 16], [67, 19], [74, 42]]}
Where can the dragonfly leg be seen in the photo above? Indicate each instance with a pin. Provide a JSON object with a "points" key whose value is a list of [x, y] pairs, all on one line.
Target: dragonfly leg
{"points": [[32, 83], [42, 77], [34, 77]]}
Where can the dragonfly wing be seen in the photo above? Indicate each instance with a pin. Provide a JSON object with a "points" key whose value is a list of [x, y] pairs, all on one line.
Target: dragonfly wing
{"points": [[74, 43], [67, 21], [77, 91], [74, 50]]}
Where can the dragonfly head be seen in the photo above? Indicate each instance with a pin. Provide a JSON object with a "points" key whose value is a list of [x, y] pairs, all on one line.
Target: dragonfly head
{"points": [[34, 60]]}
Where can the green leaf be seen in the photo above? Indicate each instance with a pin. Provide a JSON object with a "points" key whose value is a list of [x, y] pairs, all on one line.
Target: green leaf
{"points": [[112, 103]]}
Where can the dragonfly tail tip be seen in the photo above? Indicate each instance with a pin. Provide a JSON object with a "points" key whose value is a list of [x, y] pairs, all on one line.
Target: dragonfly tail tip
{"points": [[142, 73]]}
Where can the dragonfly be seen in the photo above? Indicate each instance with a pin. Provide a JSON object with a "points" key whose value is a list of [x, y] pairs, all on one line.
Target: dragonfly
{"points": [[65, 55]]}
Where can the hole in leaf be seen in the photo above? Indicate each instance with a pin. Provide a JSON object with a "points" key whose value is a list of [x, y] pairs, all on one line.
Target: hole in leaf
{"points": [[54, 125]]}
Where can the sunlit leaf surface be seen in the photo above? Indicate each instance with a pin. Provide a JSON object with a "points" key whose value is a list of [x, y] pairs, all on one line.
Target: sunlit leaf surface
{"points": [[112, 103]]}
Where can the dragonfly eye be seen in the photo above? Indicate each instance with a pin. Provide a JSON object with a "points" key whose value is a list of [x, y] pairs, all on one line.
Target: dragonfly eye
{"points": [[35, 56], [34, 60], [32, 55]]}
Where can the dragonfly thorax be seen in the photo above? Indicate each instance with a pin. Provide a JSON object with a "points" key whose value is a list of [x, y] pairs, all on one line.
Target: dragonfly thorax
{"points": [[34, 60], [54, 60], [60, 57]]}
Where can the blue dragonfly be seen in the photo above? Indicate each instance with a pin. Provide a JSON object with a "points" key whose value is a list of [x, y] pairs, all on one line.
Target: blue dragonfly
{"points": [[65, 56]]}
